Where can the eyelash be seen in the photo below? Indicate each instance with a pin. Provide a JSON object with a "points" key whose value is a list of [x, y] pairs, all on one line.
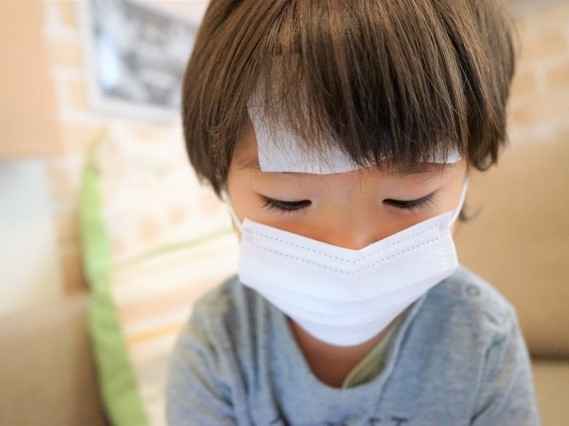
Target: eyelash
{"points": [[285, 207], [289, 207]]}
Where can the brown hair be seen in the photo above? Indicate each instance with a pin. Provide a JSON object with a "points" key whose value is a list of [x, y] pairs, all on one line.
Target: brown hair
{"points": [[395, 79]]}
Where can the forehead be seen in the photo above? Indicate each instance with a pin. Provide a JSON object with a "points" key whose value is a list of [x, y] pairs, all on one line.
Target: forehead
{"points": [[246, 159]]}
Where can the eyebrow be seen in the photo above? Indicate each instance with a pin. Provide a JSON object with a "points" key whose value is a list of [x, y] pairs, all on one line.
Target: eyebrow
{"points": [[400, 170]]}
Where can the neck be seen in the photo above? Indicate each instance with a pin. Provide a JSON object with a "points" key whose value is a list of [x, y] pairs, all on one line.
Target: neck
{"points": [[331, 363]]}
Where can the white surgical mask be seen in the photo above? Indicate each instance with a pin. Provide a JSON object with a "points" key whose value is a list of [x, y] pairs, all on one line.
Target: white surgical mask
{"points": [[342, 296]]}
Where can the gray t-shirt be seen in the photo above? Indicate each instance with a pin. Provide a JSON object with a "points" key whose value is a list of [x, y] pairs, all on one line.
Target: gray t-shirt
{"points": [[458, 358]]}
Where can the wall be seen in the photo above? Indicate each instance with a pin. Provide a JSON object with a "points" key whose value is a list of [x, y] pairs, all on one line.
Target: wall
{"points": [[539, 104], [29, 119], [30, 137]]}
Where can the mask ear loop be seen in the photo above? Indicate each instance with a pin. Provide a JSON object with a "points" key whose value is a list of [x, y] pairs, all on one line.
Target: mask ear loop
{"points": [[229, 206], [461, 202]]}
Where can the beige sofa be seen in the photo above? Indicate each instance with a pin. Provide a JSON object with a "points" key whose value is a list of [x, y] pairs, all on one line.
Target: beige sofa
{"points": [[519, 241], [47, 372]]}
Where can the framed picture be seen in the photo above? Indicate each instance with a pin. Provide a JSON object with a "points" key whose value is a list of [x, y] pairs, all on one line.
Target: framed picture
{"points": [[135, 56]]}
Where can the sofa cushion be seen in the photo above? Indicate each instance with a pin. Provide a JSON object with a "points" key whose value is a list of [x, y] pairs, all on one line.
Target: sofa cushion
{"points": [[142, 296], [48, 373], [520, 239], [552, 384]]}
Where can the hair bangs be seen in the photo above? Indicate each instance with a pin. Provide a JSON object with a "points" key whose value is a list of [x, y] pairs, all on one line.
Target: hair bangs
{"points": [[383, 85], [392, 82]]}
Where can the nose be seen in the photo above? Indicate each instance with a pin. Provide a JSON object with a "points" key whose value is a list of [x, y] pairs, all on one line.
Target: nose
{"points": [[352, 240], [354, 235]]}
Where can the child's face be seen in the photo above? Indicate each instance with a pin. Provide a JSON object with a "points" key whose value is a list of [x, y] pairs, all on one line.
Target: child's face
{"points": [[351, 209]]}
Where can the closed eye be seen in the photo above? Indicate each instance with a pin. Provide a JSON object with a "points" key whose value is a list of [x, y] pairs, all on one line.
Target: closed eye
{"points": [[294, 206], [284, 206], [411, 204]]}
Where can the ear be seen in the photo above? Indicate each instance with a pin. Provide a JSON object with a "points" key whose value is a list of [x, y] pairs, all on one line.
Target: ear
{"points": [[460, 220], [453, 228]]}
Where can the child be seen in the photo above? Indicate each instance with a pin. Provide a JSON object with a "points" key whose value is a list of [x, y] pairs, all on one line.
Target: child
{"points": [[341, 135]]}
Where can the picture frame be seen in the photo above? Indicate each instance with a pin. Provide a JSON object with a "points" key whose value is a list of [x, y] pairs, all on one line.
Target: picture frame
{"points": [[135, 54]]}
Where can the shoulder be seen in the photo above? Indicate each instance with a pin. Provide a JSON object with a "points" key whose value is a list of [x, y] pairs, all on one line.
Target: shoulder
{"points": [[224, 314], [468, 301]]}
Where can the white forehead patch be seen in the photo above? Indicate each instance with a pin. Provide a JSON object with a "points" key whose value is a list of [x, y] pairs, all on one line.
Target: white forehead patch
{"points": [[279, 151]]}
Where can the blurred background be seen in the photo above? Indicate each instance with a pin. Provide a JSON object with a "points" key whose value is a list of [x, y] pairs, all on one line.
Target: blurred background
{"points": [[96, 83]]}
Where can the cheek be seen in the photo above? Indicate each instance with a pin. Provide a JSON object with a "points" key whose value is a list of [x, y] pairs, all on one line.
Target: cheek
{"points": [[243, 199], [450, 195]]}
